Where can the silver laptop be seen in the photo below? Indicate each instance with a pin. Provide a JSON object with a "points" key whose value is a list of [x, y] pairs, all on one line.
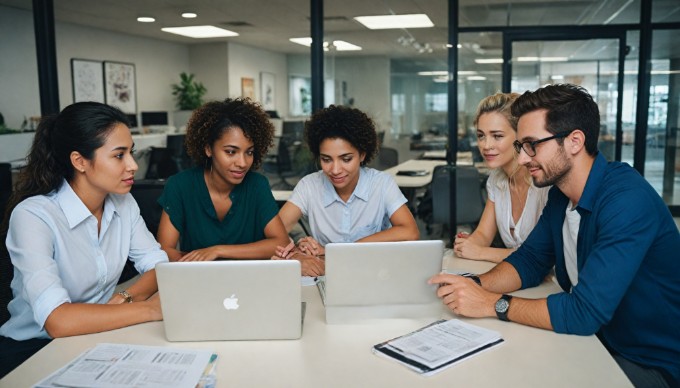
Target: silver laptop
{"points": [[366, 281], [231, 300]]}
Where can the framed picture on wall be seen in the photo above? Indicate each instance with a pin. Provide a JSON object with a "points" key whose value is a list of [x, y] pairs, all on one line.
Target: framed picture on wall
{"points": [[248, 88], [300, 95], [88, 80], [120, 86], [268, 90]]}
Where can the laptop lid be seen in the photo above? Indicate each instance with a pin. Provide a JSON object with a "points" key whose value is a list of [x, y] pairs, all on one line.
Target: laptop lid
{"points": [[230, 300], [382, 280]]}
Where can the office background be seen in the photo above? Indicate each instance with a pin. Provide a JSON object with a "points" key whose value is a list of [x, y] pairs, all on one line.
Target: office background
{"points": [[399, 76]]}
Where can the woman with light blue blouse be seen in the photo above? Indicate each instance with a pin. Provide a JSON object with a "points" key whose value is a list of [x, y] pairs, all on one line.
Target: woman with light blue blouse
{"points": [[70, 226], [345, 201]]}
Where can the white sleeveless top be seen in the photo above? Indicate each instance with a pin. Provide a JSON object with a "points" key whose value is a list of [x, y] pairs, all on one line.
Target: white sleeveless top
{"points": [[499, 193]]}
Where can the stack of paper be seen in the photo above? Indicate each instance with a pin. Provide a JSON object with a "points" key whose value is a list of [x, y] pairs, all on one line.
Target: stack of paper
{"points": [[120, 365], [438, 345]]}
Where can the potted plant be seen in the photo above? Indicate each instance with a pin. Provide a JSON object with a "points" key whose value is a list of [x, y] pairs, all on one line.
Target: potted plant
{"points": [[188, 96]]}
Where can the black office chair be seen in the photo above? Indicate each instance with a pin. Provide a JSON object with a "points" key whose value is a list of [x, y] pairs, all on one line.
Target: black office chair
{"points": [[6, 276], [146, 192], [175, 143], [283, 165], [386, 158], [161, 164], [469, 197]]}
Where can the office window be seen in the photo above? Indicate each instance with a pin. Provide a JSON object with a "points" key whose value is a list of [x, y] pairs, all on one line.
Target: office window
{"points": [[665, 11]]}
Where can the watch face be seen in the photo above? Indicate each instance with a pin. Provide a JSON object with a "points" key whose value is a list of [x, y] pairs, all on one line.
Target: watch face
{"points": [[502, 305]]}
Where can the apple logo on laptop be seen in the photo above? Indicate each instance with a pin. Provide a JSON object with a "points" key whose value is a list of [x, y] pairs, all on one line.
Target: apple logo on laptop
{"points": [[231, 303]]}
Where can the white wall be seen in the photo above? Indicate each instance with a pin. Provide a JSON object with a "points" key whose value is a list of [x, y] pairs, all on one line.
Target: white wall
{"points": [[19, 90], [249, 62], [209, 63], [157, 64]]}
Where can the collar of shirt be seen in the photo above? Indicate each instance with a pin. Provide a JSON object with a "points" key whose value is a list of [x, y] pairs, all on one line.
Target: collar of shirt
{"points": [[361, 191], [75, 210], [593, 183]]}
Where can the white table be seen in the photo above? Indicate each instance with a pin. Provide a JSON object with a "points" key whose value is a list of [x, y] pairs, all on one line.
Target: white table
{"points": [[414, 182], [340, 355]]}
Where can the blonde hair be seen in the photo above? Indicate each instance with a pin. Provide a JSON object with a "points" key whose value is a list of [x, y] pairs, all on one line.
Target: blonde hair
{"points": [[501, 103]]}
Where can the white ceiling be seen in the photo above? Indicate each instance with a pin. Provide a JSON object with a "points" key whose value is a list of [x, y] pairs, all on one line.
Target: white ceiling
{"points": [[268, 24]]}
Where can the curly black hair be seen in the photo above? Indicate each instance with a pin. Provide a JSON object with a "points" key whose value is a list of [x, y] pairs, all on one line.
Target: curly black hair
{"points": [[349, 124], [209, 122]]}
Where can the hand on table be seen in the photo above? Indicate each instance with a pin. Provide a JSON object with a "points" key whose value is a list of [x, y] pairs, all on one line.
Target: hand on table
{"points": [[464, 297], [464, 248], [310, 246], [310, 265], [205, 254]]}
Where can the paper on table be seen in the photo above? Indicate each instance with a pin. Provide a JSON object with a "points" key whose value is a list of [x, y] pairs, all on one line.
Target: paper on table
{"points": [[121, 365], [438, 345]]}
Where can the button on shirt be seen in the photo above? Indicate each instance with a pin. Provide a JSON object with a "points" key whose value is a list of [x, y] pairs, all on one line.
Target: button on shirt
{"points": [[366, 212], [59, 257]]}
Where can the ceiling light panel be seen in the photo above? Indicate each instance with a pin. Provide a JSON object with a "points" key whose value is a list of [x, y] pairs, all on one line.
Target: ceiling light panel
{"points": [[383, 22], [200, 32]]}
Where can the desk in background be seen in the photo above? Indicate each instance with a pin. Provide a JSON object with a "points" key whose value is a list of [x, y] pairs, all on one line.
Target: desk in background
{"points": [[340, 355]]}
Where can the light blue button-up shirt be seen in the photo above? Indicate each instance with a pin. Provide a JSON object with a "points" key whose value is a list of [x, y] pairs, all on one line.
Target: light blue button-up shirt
{"points": [[366, 212], [59, 257]]}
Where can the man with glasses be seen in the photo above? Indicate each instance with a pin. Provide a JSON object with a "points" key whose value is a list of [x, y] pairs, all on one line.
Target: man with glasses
{"points": [[610, 236]]}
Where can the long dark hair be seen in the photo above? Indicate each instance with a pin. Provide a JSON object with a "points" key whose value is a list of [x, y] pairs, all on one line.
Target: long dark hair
{"points": [[81, 127]]}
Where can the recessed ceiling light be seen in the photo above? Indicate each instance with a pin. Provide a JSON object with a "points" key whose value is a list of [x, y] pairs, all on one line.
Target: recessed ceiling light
{"points": [[488, 60], [200, 32], [431, 73], [476, 78], [188, 15], [340, 45], [382, 22], [146, 19]]}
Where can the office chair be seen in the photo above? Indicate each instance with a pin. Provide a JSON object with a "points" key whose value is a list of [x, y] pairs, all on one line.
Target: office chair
{"points": [[6, 276], [386, 158], [283, 164], [469, 197], [146, 192], [161, 164], [175, 143]]}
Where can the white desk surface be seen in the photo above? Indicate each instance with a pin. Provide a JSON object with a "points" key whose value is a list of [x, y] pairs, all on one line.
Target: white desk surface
{"points": [[143, 141], [340, 355], [282, 195], [412, 165]]}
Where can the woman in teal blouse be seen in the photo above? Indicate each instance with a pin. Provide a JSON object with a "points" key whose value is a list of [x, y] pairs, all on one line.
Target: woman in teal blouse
{"points": [[222, 209]]}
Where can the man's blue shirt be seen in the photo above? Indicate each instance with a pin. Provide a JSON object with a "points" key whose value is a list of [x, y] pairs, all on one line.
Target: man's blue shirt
{"points": [[628, 253]]}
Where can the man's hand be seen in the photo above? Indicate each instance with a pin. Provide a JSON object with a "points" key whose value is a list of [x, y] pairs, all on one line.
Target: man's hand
{"points": [[464, 297]]}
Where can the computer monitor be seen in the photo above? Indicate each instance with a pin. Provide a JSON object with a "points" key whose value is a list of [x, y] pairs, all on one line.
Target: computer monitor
{"points": [[154, 118], [132, 120]]}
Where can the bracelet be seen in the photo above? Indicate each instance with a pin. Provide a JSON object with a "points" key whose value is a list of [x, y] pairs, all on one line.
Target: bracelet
{"points": [[126, 296]]}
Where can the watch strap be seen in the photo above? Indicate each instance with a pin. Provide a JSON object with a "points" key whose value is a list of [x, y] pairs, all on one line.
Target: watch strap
{"points": [[502, 314]]}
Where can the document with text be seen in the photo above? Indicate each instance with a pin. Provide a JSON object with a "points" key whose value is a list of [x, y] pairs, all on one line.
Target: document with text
{"points": [[438, 345], [122, 365]]}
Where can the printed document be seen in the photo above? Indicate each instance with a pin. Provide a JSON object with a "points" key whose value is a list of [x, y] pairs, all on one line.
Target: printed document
{"points": [[121, 365]]}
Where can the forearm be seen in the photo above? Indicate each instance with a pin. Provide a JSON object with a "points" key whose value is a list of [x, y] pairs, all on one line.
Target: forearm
{"points": [[83, 318], [530, 312], [395, 233], [502, 278], [143, 288], [174, 254], [262, 249], [495, 255]]}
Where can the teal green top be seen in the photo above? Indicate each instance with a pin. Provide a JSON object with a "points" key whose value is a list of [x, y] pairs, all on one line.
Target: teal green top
{"points": [[187, 201]]}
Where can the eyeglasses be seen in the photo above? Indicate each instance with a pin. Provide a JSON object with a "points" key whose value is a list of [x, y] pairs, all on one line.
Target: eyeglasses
{"points": [[530, 146]]}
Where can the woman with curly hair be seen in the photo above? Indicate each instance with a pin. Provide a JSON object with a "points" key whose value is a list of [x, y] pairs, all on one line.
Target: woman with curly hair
{"points": [[514, 204], [345, 201], [222, 209]]}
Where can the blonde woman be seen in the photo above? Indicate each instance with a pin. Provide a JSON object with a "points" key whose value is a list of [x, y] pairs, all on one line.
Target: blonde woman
{"points": [[514, 204]]}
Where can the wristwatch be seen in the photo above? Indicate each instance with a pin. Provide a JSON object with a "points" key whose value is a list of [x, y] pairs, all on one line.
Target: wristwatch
{"points": [[126, 296], [502, 307]]}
